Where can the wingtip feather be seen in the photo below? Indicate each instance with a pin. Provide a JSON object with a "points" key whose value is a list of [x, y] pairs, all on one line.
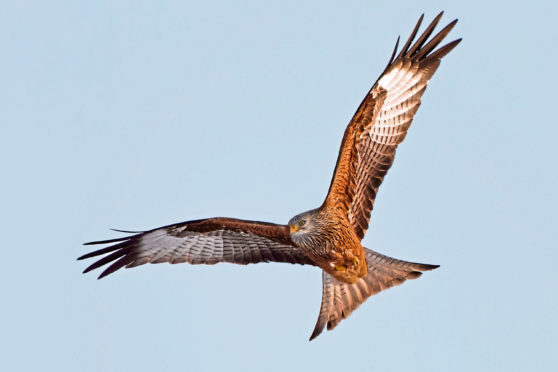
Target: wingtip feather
{"points": [[317, 331], [424, 50], [128, 231], [101, 276], [107, 241], [443, 51], [425, 34], [411, 37], [394, 52]]}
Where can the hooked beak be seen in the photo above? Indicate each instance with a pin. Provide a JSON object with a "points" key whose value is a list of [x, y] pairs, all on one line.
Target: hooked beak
{"points": [[294, 228]]}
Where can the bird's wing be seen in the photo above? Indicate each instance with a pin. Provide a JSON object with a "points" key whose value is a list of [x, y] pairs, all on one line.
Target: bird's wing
{"points": [[207, 241], [340, 299], [381, 123]]}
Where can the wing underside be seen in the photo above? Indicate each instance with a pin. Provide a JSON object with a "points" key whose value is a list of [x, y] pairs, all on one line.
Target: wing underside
{"points": [[381, 124], [208, 242]]}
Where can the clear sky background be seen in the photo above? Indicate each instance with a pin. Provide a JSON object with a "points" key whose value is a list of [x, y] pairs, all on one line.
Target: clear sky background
{"points": [[136, 114]]}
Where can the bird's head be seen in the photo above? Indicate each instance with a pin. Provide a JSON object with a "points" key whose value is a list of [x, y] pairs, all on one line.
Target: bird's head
{"points": [[304, 223]]}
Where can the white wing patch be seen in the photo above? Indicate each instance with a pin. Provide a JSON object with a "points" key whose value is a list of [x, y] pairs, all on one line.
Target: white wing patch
{"points": [[404, 86], [397, 74]]}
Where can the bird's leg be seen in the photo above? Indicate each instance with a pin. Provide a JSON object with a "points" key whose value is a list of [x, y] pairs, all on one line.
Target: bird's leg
{"points": [[341, 268], [339, 262], [352, 258], [347, 265]]}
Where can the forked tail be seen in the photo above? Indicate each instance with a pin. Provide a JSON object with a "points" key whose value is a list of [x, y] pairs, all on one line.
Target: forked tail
{"points": [[340, 299]]}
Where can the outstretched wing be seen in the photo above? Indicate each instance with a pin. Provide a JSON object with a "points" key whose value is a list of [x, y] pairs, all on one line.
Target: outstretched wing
{"points": [[207, 241], [381, 123], [340, 299]]}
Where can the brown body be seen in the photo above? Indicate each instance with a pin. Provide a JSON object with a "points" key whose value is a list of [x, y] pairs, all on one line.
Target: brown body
{"points": [[333, 246]]}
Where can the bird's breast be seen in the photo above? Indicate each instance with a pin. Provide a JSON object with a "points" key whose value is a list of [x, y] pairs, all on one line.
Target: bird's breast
{"points": [[338, 252]]}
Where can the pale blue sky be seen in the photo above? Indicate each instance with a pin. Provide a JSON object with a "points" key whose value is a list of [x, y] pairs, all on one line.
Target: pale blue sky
{"points": [[136, 114]]}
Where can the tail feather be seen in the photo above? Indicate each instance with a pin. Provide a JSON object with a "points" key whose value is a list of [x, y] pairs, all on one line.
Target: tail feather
{"points": [[340, 299]]}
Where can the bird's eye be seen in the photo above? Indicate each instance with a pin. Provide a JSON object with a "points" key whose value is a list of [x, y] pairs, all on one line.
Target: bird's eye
{"points": [[301, 223]]}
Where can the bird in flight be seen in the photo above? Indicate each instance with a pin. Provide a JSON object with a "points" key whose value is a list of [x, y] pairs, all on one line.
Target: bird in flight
{"points": [[329, 236]]}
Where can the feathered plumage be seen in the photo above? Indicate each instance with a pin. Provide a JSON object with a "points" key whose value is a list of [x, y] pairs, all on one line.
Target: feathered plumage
{"points": [[329, 236]]}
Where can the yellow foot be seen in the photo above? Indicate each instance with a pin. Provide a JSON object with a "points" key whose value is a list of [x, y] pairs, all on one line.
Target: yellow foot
{"points": [[341, 268]]}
